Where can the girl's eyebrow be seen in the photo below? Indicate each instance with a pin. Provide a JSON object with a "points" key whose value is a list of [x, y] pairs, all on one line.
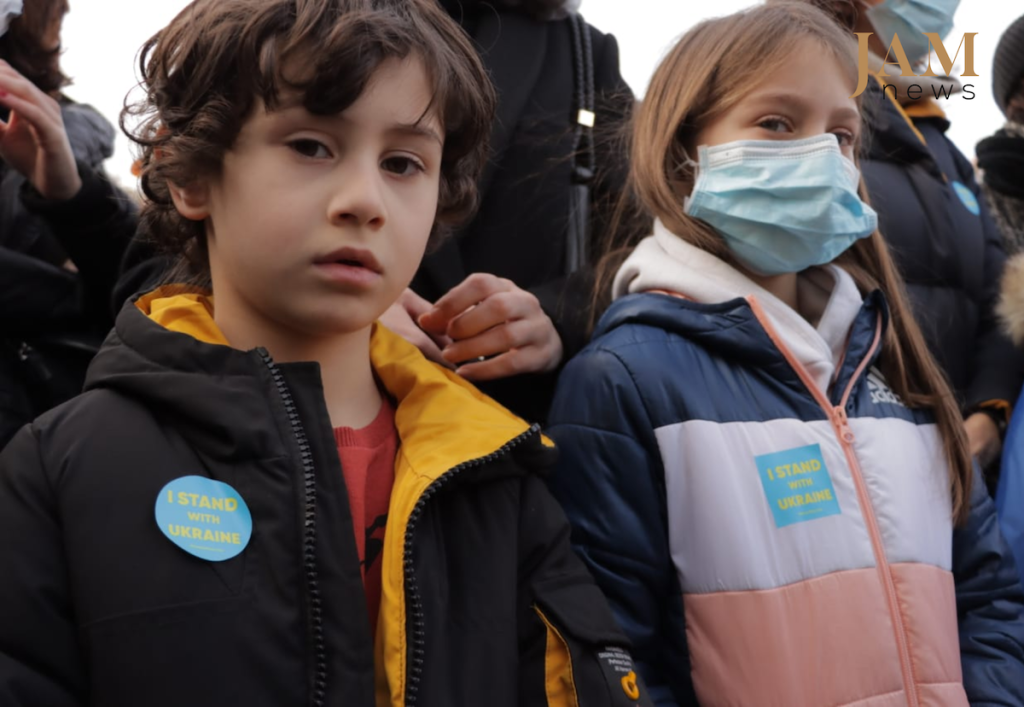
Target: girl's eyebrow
{"points": [[802, 104], [790, 98], [847, 113]]}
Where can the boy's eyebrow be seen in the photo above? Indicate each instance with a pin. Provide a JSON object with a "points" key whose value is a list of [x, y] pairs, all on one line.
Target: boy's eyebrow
{"points": [[416, 130]]}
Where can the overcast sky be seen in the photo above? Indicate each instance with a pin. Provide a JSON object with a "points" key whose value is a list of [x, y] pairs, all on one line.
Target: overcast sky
{"points": [[102, 38]]}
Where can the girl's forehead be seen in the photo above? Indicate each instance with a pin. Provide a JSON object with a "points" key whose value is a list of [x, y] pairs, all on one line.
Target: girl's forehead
{"points": [[811, 70]]}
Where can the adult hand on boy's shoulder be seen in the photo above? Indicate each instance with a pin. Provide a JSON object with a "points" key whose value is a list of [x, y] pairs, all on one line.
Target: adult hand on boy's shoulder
{"points": [[497, 329], [401, 318], [33, 140]]}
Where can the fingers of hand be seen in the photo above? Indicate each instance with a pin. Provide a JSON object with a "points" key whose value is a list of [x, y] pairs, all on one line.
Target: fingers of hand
{"points": [[44, 129], [412, 306], [511, 363], [12, 81], [495, 310], [397, 320], [496, 340], [428, 347], [474, 289], [21, 95], [415, 305]]}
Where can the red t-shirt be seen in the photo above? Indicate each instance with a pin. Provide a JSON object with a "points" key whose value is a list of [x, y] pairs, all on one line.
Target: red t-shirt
{"points": [[368, 463]]}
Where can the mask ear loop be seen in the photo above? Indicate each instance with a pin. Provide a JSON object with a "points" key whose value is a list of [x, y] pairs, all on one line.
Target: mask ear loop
{"points": [[688, 164]]}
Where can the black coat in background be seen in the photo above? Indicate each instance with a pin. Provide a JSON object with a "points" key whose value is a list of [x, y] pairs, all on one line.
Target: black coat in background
{"points": [[520, 229], [950, 257], [53, 319]]}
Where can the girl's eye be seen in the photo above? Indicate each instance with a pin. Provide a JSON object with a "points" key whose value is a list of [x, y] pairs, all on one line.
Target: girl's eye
{"points": [[775, 124], [845, 138], [402, 165], [307, 147]]}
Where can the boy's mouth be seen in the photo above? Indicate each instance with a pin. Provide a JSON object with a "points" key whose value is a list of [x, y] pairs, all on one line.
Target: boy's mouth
{"points": [[352, 257]]}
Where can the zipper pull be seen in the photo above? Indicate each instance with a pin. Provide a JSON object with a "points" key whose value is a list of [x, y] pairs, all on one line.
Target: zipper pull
{"points": [[842, 423]]}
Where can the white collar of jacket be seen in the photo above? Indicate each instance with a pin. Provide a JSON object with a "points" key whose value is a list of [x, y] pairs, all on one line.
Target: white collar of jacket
{"points": [[663, 261]]}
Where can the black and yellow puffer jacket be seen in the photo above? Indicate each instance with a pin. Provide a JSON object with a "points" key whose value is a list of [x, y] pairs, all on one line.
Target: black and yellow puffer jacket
{"points": [[483, 602]]}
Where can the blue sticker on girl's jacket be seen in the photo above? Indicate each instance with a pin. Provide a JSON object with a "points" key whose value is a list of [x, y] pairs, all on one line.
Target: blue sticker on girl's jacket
{"points": [[203, 517], [797, 485], [970, 201]]}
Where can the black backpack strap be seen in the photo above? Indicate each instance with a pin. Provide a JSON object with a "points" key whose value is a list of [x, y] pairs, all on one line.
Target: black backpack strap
{"points": [[513, 49], [583, 146]]}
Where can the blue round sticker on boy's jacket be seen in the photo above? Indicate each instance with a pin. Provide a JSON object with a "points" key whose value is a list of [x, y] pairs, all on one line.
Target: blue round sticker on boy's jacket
{"points": [[970, 201], [203, 517]]}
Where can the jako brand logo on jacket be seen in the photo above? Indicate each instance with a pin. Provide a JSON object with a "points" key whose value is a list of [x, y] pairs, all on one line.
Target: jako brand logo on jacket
{"points": [[906, 67]]}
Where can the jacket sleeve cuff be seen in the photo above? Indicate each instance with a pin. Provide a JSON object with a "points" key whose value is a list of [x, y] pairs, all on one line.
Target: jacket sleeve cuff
{"points": [[997, 408], [94, 202]]}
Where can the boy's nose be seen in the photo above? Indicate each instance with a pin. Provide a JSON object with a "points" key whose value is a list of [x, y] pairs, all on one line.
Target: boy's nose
{"points": [[358, 200]]}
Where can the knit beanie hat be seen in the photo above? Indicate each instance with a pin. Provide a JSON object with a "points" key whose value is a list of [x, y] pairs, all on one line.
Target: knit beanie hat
{"points": [[1008, 64]]}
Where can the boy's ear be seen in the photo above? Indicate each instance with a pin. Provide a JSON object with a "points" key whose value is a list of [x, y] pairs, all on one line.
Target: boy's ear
{"points": [[192, 201]]}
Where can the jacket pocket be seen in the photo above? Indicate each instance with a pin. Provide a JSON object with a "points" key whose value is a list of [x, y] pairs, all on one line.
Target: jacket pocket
{"points": [[586, 657], [179, 655], [149, 620]]}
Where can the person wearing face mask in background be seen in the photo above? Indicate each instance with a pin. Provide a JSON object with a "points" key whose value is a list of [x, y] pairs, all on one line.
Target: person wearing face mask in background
{"points": [[63, 225], [932, 215], [764, 467]]}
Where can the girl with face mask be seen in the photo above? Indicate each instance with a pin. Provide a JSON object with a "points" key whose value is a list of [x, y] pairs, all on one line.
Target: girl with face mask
{"points": [[765, 470]]}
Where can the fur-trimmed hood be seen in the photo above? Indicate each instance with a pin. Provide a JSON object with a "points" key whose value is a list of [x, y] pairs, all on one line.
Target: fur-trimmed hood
{"points": [[1011, 299]]}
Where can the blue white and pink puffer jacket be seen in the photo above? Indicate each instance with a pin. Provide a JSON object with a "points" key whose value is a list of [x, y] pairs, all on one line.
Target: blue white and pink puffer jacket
{"points": [[771, 523]]}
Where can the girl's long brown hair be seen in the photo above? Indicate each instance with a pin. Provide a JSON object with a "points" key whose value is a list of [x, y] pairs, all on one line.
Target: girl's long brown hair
{"points": [[707, 72], [22, 46]]}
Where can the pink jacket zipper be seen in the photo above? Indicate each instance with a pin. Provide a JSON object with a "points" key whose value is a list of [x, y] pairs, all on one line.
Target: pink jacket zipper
{"points": [[841, 426]]}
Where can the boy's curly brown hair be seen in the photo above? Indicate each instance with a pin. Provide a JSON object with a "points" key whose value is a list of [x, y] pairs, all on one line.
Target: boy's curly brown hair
{"points": [[204, 73]]}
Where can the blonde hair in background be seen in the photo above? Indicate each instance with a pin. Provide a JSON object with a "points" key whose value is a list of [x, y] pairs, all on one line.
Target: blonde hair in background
{"points": [[706, 73]]}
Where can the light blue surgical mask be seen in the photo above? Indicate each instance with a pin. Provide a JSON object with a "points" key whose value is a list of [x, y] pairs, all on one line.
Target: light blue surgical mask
{"points": [[781, 206], [910, 19]]}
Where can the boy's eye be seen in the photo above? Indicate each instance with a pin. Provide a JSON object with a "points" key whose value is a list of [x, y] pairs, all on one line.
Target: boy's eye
{"points": [[775, 124], [308, 147], [402, 165]]}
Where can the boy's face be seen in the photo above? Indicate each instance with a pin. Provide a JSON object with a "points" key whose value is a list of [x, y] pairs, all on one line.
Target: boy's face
{"points": [[317, 223]]}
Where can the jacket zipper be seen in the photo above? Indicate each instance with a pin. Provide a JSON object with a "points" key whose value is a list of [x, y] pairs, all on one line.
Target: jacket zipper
{"points": [[412, 593], [318, 697], [841, 426]]}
